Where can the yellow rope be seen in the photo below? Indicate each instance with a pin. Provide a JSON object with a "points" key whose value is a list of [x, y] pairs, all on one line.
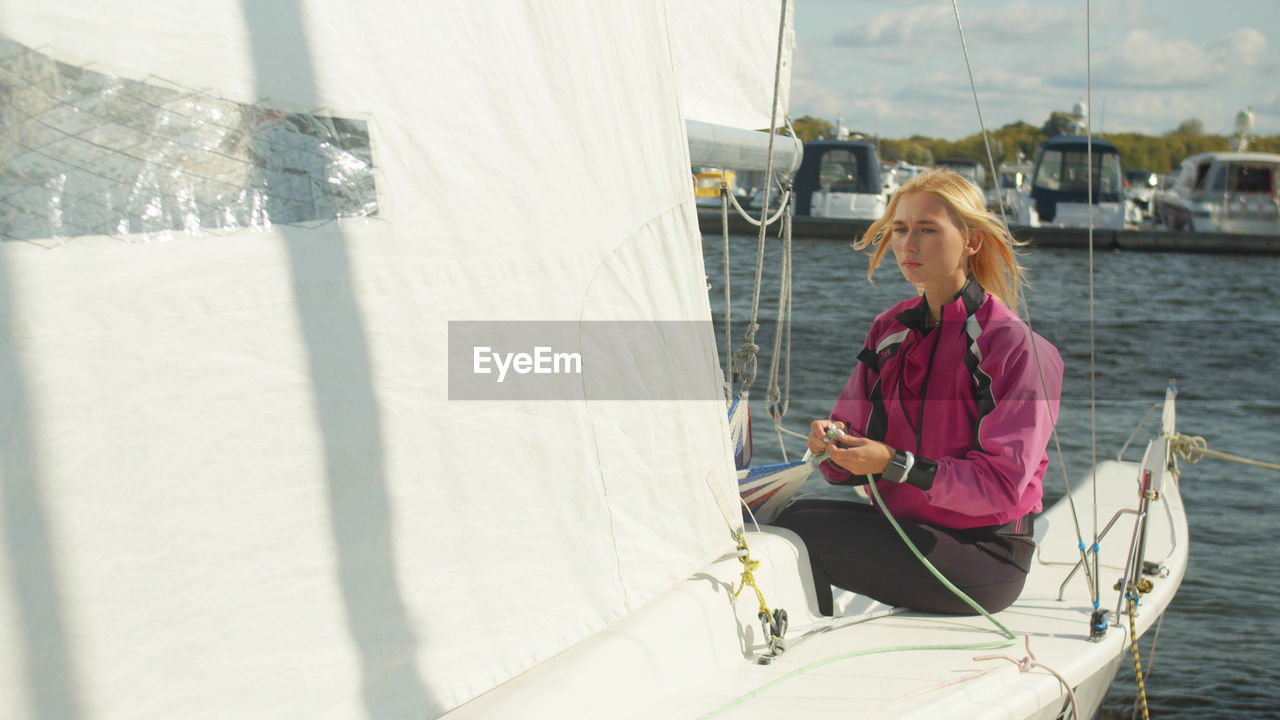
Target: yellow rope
{"points": [[1193, 447], [749, 566], [1137, 661]]}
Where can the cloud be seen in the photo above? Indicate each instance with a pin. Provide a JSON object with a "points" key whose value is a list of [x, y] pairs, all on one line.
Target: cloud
{"points": [[1245, 48], [1142, 60], [1024, 23], [898, 65], [1154, 112], [920, 28], [998, 80], [897, 26]]}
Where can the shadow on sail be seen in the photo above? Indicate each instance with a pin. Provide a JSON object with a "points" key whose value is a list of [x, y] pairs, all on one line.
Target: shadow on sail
{"points": [[346, 410], [46, 652]]}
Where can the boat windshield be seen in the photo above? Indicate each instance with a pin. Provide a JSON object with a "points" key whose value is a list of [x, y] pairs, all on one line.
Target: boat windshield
{"points": [[1252, 178], [839, 171], [1068, 171]]}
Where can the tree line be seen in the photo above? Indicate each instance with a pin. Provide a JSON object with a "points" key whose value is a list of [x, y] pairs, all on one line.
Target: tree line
{"points": [[1158, 153]]}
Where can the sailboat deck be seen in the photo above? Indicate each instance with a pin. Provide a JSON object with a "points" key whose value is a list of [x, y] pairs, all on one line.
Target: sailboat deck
{"points": [[686, 656]]}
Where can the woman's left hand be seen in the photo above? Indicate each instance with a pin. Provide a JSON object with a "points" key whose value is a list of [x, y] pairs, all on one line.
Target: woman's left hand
{"points": [[860, 455]]}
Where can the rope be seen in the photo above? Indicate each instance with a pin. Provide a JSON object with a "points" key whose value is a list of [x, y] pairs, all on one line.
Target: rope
{"points": [[749, 340], [1151, 664], [772, 624], [778, 400], [1029, 662], [748, 579], [1004, 631], [793, 433], [835, 659], [747, 353], [786, 200], [1137, 660], [728, 307], [1007, 636], [749, 566], [1193, 447]]}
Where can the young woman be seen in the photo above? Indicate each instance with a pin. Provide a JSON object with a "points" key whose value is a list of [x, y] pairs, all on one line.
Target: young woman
{"points": [[949, 410]]}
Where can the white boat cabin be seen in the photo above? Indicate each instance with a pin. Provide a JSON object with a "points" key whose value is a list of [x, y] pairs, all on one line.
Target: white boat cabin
{"points": [[1234, 192]]}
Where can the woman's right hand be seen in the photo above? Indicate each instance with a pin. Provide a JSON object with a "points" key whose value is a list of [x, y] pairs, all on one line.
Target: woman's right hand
{"points": [[818, 434]]}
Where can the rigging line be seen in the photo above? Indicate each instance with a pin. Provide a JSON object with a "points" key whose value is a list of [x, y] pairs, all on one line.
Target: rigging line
{"points": [[737, 529], [1093, 399], [728, 308], [786, 196], [776, 400], [986, 141], [1090, 578], [749, 340], [786, 377], [1134, 434], [783, 327]]}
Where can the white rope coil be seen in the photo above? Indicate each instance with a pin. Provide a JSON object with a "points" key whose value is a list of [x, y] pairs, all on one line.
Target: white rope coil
{"points": [[1193, 447]]}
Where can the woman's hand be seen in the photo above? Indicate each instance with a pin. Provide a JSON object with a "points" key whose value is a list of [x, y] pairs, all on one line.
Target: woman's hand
{"points": [[818, 434], [861, 456]]}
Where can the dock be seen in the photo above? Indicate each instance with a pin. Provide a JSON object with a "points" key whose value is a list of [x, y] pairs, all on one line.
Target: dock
{"points": [[1139, 239]]}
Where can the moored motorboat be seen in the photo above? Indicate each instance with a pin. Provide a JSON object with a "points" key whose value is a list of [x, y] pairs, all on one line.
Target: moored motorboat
{"points": [[1223, 192], [840, 179], [1063, 183]]}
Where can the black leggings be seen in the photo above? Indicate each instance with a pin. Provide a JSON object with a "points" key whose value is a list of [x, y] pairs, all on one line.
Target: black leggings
{"points": [[853, 546]]}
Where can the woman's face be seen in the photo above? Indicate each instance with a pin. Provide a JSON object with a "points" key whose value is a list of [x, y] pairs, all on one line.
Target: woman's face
{"points": [[931, 250]]}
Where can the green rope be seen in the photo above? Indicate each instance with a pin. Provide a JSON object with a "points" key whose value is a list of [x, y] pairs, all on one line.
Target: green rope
{"points": [[833, 434], [1006, 634], [847, 656], [929, 566]]}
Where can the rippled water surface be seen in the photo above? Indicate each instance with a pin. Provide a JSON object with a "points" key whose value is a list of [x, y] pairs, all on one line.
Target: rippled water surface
{"points": [[1212, 322]]}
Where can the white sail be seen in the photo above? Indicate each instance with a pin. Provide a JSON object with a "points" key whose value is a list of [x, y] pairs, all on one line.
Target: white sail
{"points": [[727, 57], [726, 52], [250, 466], [233, 481]]}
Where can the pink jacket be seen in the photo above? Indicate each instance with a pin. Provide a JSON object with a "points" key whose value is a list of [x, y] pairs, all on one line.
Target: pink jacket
{"points": [[986, 419]]}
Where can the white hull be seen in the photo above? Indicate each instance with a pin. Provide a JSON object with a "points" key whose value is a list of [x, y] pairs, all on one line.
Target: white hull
{"points": [[856, 206], [1223, 192], [690, 653], [1101, 215], [1256, 218]]}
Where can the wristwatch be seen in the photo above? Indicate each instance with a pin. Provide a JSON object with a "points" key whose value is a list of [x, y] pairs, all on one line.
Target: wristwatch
{"points": [[899, 467]]}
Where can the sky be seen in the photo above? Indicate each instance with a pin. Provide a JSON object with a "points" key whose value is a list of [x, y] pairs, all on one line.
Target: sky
{"points": [[896, 68]]}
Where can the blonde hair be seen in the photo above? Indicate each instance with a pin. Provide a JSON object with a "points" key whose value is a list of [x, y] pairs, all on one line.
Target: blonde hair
{"points": [[995, 265]]}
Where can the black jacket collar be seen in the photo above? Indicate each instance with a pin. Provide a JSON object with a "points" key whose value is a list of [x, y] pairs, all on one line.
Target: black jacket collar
{"points": [[916, 317]]}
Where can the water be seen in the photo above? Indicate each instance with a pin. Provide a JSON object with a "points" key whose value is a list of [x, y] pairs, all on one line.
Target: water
{"points": [[1210, 321]]}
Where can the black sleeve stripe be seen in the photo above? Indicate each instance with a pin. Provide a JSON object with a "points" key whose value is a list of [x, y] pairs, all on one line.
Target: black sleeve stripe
{"points": [[986, 402], [878, 420], [868, 357]]}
